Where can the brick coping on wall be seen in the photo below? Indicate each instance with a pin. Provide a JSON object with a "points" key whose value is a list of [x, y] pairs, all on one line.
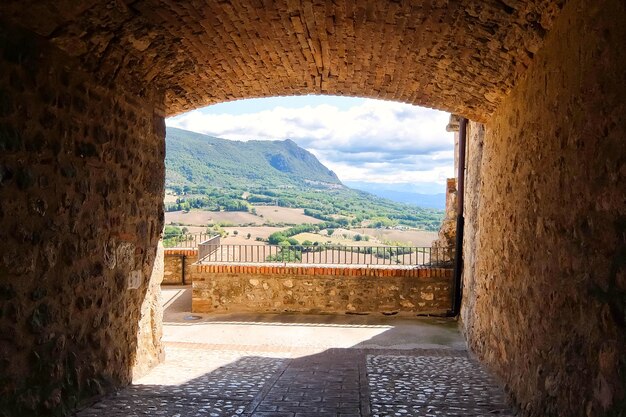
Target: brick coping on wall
{"points": [[336, 270], [180, 252]]}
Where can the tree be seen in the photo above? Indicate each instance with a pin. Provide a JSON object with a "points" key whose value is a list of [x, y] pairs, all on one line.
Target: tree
{"points": [[275, 238], [235, 232], [358, 237], [330, 232], [249, 235], [286, 253]]}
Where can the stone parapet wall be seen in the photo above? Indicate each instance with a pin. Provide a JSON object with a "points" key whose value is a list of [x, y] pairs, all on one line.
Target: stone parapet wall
{"points": [[320, 289], [173, 273]]}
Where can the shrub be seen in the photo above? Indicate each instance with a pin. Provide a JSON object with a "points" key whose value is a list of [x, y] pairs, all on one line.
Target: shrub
{"points": [[276, 237]]}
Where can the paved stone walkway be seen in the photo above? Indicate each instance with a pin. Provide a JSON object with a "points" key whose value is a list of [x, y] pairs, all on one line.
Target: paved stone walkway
{"points": [[200, 380], [309, 366]]}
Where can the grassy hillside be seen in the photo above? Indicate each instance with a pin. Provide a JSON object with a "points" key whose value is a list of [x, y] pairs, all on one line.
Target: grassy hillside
{"points": [[194, 159], [218, 174]]}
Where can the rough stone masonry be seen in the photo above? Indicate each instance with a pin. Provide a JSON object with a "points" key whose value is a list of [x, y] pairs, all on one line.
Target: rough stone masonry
{"points": [[461, 56], [83, 91], [81, 195]]}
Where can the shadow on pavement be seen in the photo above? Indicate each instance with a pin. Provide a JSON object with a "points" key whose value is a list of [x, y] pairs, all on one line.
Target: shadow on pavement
{"points": [[355, 381]]}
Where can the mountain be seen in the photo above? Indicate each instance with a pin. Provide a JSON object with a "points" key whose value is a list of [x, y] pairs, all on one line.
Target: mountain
{"points": [[218, 174], [196, 159], [436, 201]]}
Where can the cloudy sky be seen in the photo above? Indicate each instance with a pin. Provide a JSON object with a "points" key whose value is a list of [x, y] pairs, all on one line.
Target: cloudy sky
{"points": [[395, 146]]}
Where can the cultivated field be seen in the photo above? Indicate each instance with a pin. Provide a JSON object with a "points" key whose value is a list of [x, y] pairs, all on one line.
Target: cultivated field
{"points": [[242, 232], [285, 215], [339, 237], [273, 214], [412, 236], [377, 237], [203, 217], [170, 198], [196, 220]]}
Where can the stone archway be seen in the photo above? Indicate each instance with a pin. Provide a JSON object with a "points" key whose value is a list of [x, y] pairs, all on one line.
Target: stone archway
{"points": [[458, 56], [84, 92]]}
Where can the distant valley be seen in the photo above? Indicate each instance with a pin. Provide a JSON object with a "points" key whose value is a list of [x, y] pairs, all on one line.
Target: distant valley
{"points": [[435, 201]]}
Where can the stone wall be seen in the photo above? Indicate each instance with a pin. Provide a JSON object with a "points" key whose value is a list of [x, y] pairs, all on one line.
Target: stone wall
{"points": [[461, 56], [150, 350], [81, 195], [472, 205], [547, 302], [238, 288], [173, 271], [446, 237]]}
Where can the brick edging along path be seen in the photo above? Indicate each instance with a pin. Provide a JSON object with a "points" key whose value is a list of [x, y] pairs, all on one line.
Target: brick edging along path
{"points": [[311, 270]]}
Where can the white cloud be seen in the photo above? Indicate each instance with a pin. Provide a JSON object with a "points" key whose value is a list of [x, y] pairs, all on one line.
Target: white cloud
{"points": [[374, 141]]}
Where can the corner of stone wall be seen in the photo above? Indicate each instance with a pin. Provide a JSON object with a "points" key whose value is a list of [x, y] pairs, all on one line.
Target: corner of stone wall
{"points": [[446, 238], [473, 180], [150, 351]]}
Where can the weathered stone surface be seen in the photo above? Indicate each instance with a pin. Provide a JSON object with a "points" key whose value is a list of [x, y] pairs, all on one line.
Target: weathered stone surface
{"points": [[472, 206], [173, 269], [549, 295], [81, 171], [68, 239], [462, 56], [150, 350], [200, 380], [446, 239], [221, 288]]}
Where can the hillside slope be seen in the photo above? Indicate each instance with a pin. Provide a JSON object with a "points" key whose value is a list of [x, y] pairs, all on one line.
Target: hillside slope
{"points": [[218, 174], [196, 159]]}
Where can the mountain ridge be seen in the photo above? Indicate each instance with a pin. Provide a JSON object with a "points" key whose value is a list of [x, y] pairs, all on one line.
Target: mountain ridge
{"points": [[219, 174], [194, 157]]}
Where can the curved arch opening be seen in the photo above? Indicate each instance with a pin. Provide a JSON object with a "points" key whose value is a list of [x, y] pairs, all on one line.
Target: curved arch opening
{"points": [[309, 180]]}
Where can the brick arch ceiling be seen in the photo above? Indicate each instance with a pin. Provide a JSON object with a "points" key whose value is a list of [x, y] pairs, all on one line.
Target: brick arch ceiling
{"points": [[456, 55]]}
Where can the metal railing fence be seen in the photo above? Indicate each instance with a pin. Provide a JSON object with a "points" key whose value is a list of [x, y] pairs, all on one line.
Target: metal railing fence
{"points": [[186, 240], [331, 255], [208, 247]]}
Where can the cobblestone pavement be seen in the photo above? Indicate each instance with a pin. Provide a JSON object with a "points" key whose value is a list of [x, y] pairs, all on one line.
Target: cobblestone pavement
{"points": [[208, 380], [307, 366]]}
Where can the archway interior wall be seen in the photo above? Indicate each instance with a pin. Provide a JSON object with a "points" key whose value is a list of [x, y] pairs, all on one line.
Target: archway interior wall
{"points": [[82, 177], [544, 299], [81, 194], [459, 56]]}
